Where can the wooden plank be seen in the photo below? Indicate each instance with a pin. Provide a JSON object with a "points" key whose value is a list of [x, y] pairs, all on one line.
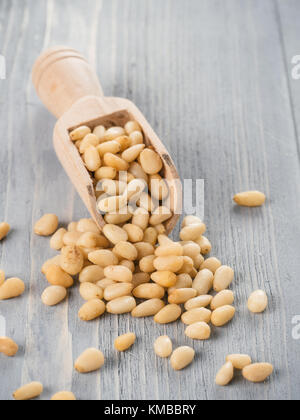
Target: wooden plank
{"points": [[212, 78]]}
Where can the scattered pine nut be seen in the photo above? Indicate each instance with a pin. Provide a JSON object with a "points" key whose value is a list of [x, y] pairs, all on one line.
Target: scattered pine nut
{"points": [[91, 310], [53, 295], [89, 361], [223, 298], [168, 314], [125, 341], [182, 357], [64, 396], [258, 302], [148, 308], [198, 331], [223, 278], [225, 374], [163, 346], [46, 225], [250, 199], [258, 372], [8, 347], [11, 288], [221, 316], [4, 229], [28, 392]]}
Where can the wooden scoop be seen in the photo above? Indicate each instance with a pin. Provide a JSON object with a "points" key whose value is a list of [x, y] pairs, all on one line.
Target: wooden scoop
{"points": [[70, 89]]}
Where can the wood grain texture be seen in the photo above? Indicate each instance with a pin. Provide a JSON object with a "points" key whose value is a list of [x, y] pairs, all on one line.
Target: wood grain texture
{"points": [[213, 77]]}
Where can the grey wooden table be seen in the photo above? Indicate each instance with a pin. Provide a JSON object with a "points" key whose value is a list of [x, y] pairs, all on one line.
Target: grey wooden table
{"points": [[214, 78]]}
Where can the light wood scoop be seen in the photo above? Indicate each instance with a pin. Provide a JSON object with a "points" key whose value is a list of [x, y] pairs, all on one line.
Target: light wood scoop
{"points": [[70, 89]]}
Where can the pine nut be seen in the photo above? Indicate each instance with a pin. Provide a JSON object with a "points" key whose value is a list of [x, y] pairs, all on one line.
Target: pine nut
{"points": [[8, 347], [132, 126], [91, 309], [192, 250], [64, 396], [182, 357], [115, 291], [116, 162], [196, 315], [128, 264], [225, 374], [46, 225], [258, 372], [203, 282], [158, 187], [72, 227], [173, 249], [87, 225], [2, 277], [71, 238], [164, 278], [89, 291], [171, 263], [163, 346], [113, 188], [182, 295], [126, 250], [149, 291], [105, 172], [89, 361], [58, 277], [135, 233], [141, 218], [239, 361], [71, 259], [53, 261], [192, 232], [56, 241], [115, 234], [187, 267], [87, 141], [132, 153], [121, 305], [258, 302], [91, 240], [79, 133], [223, 278], [118, 273], [146, 264], [168, 314], [190, 220], [148, 308], [198, 302], [113, 133], [125, 341], [183, 281], [109, 147], [104, 283], [144, 249], [161, 229], [28, 392], [198, 262], [221, 316], [151, 162], [124, 142], [138, 172], [4, 229], [107, 204], [160, 215], [140, 278], [136, 137], [11, 288], [103, 258], [146, 202], [91, 274], [223, 298], [198, 331], [150, 236], [211, 264], [54, 295], [119, 217], [250, 199], [205, 245], [99, 131]]}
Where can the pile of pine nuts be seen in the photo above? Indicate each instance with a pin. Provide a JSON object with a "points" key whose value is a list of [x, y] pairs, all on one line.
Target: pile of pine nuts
{"points": [[132, 266]]}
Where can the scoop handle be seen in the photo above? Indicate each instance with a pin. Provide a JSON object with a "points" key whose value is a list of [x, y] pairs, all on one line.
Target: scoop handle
{"points": [[62, 76]]}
